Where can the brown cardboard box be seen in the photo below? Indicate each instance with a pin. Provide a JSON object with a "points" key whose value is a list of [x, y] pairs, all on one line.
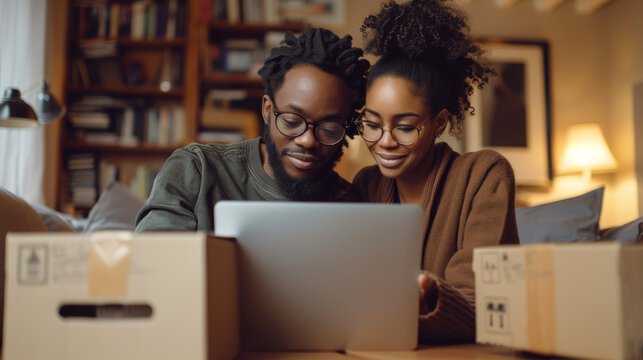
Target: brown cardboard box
{"points": [[132, 296], [578, 300]]}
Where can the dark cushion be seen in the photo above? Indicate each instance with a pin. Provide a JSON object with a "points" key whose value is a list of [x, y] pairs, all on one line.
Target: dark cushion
{"points": [[57, 221], [624, 233], [116, 209], [573, 219]]}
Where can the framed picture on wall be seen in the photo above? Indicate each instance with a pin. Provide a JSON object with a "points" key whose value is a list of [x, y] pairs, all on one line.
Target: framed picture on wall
{"points": [[329, 12], [512, 112]]}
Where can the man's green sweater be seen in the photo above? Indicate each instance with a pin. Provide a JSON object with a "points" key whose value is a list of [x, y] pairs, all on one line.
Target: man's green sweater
{"points": [[196, 177]]}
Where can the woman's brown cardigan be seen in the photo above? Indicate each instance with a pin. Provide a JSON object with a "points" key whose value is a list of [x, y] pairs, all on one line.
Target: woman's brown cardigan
{"points": [[468, 201]]}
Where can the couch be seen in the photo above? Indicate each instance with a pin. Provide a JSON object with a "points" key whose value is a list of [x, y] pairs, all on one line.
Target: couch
{"points": [[115, 209], [573, 219]]}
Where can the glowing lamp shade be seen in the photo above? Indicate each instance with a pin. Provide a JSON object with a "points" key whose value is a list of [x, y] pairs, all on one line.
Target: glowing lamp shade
{"points": [[586, 151]]}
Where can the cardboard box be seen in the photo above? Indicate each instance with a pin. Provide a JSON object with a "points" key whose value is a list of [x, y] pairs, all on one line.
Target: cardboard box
{"points": [[119, 295], [579, 300]]}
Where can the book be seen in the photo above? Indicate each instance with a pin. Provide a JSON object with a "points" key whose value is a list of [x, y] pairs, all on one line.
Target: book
{"points": [[161, 20], [127, 135], [83, 72], [163, 127], [139, 9], [233, 11], [172, 11], [150, 31], [125, 20], [177, 132], [114, 20], [90, 120]]}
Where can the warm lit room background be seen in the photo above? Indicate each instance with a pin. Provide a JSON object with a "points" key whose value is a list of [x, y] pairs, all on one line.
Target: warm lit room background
{"points": [[596, 61]]}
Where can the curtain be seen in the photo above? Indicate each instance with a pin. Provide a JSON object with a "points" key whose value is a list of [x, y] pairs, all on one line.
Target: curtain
{"points": [[22, 55]]}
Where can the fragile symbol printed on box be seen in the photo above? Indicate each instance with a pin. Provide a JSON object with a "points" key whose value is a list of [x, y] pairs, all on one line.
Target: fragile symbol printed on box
{"points": [[491, 268], [32, 264], [497, 314]]}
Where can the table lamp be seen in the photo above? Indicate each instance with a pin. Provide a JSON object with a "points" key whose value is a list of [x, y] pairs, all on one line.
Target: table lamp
{"points": [[17, 113], [586, 151]]}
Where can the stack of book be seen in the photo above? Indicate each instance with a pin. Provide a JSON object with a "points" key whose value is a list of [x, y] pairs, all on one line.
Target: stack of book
{"points": [[82, 179], [248, 11], [243, 55], [99, 62], [139, 19], [109, 121], [222, 122], [139, 178]]}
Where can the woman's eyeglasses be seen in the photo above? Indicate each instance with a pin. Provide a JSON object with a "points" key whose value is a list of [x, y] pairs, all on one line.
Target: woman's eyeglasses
{"points": [[372, 131]]}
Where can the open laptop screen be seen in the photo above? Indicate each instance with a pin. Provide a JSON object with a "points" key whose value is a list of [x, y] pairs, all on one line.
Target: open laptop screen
{"points": [[326, 276]]}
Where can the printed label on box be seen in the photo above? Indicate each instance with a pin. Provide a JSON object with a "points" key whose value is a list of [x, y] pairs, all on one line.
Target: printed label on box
{"points": [[497, 314], [69, 263], [491, 268], [32, 264], [513, 272]]}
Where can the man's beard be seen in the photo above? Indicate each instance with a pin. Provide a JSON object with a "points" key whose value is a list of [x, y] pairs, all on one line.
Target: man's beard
{"points": [[319, 188]]}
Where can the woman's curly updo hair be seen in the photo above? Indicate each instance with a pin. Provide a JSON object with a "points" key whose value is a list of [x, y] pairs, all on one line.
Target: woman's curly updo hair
{"points": [[427, 42], [325, 50]]}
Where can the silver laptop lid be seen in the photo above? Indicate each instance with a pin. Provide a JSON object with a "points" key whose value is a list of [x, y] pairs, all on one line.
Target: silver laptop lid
{"points": [[326, 276]]}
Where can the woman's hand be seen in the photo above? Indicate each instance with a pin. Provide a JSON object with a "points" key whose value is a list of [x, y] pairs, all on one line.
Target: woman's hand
{"points": [[428, 293]]}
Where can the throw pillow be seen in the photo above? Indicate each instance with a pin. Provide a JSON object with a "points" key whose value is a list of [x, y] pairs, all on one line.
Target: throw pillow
{"points": [[573, 219], [624, 233], [116, 209], [57, 221]]}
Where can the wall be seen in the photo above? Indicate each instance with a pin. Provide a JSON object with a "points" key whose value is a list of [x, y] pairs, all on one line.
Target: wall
{"points": [[594, 60], [626, 69], [638, 76], [638, 134]]}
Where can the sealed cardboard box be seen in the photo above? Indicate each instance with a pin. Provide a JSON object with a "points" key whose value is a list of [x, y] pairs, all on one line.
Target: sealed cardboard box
{"points": [[119, 295], [577, 300]]}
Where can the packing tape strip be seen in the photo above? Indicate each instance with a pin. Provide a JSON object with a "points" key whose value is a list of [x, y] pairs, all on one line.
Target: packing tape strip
{"points": [[541, 312], [109, 262]]}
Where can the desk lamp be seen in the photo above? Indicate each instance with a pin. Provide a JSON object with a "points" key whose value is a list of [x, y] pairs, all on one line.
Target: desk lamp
{"points": [[586, 151], [16, 113]]}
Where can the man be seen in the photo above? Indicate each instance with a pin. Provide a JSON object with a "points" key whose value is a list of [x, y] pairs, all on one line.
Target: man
{"points": [[314, 84]]}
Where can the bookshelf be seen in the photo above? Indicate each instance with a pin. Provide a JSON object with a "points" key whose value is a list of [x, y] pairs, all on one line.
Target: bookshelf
{"points": [[142, 82], [244, 29], [234, 47], [139, 90]]}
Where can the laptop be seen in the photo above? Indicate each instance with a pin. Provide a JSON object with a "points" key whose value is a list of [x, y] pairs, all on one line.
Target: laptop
{"points": [[325, 276]]}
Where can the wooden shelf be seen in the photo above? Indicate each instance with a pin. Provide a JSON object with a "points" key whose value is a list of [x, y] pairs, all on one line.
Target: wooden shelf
{"points": [[128, 150], [240, 80], [251, 29], [124, 90], [130, 42]]}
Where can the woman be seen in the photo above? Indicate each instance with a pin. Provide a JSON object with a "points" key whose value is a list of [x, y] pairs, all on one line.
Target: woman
{"points": [[421, 82]]}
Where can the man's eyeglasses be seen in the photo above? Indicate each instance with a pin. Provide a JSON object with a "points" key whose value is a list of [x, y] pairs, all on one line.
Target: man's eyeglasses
{"points": [[372, 131], [327, 132]]}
